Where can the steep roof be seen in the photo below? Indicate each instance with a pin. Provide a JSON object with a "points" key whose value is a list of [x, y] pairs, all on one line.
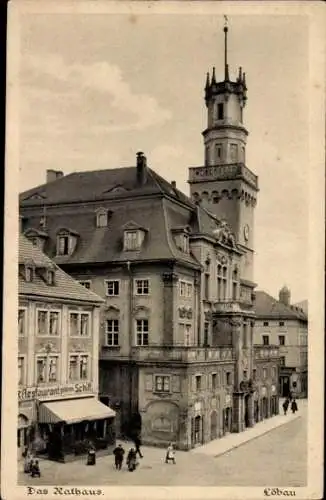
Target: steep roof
{"points": [[65, 287], [268, 307], [303, 305], [100, 185]]}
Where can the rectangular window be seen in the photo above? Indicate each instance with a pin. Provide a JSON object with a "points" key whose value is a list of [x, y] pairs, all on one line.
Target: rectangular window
{"points": [[47, 323], [85, 284], [206, 333], [220, 111], [218, 151], [47, 368], [112, 332], [198, 382], [142, 331], [63, 245], [281, 323], [41, 369], [29, 272], [131, 240], [206, 286], [265, 323], [79, 324], [281, 339], [182, 288], [162, 383], [228, 378], [79, 367], [265, 339], [234, 152], [52, 368], [264, 373], [102, 219], [142, 287], [189, 290], [214, 381], [187, 334], [282, 360], [254, 373], [234, 290], [222, 273], [112, 288], [21, 370], [21, 322]]}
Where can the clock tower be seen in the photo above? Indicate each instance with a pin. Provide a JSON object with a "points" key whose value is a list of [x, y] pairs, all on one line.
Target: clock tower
{"points": [[225, 185]]}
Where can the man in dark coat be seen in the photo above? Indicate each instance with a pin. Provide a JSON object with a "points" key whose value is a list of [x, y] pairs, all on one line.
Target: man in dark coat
{"points": [[294, 406], [118, 453], [137, 442], [286, 406]]}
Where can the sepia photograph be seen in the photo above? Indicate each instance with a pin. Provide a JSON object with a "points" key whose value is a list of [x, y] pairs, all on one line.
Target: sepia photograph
{"points": [[163, 183]]}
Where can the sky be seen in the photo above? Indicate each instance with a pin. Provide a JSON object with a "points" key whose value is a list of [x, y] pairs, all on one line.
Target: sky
{"points": [[97, 88]]}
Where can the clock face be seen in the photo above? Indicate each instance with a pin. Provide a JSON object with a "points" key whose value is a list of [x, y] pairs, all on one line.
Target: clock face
{"points": [[246, 232]]}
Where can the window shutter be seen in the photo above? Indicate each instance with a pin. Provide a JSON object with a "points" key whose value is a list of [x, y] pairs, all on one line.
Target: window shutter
{"points": [[176, 383], [148, 382]]}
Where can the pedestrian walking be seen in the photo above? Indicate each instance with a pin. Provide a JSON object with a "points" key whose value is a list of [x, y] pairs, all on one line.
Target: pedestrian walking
{"points": [[286, 406], [170, 454], [137, 442], [132, 460], [294, 406], [118, 453], [35, 469]]}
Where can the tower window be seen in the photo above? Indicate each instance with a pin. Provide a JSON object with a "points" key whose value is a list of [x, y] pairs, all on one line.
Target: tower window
{"points": [[220, 111], [218, 151], [234, 152]]}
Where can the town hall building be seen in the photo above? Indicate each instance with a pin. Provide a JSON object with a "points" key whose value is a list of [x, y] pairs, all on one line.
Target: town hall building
{"points": [[177, 360]]}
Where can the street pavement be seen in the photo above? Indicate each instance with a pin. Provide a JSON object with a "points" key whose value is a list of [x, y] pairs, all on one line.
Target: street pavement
{"points": [[277, 457]]}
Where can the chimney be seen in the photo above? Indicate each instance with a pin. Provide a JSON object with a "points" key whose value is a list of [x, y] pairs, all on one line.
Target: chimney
{"points": [[53, 175], [174, 184], [141, 168]]}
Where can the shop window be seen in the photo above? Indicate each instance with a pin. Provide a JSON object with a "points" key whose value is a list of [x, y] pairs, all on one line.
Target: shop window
{"points": [[281, 339], [112, 288], [22, 322], [142, 287], [265, 339], [142, 332], [47, 323], [162, 383], [112, 332], [79, 324]]}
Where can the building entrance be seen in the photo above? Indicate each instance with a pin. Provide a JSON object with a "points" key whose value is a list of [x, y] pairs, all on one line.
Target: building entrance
{"points": [[285, 386], [246, 413], [227, 420]]}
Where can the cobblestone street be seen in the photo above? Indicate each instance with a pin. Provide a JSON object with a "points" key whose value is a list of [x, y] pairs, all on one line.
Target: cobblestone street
{"points": [[275, 458]]}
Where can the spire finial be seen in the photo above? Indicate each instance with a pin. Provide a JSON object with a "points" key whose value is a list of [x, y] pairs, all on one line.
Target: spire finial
{"points": [[226, 29], [213, 76], [207, 81]]}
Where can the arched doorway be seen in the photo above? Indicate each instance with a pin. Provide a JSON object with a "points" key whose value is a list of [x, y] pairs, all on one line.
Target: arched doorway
{"points": [[213, 425], [22, 434], [197, 430]]}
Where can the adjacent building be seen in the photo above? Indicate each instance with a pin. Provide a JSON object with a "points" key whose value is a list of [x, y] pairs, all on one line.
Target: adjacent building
{"points": [[278, 323], [58, 328], [177, 358]]}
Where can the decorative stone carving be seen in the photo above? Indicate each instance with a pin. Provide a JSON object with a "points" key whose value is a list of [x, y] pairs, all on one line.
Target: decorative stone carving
{"points": [[222, 259], [223, 233], [47, 348], [140, 309]]}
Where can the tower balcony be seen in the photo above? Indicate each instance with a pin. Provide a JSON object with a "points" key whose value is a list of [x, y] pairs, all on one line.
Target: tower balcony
{"points": [[224, 171], [181, 353]]}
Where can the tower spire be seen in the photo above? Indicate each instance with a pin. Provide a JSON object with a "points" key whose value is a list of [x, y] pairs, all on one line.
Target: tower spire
{"points": [[226, 68]]}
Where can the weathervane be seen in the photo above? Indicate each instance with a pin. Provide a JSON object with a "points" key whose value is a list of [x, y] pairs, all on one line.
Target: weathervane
{"points": [[226, 69]]}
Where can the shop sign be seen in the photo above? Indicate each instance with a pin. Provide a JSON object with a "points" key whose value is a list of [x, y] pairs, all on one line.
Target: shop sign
{"points": [[54, 391]]}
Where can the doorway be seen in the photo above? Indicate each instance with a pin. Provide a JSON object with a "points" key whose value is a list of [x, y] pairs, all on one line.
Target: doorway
{"points": [[213, 425], [256, 411], [285, 386], [227, 420], [246, 408], [22, 437]]}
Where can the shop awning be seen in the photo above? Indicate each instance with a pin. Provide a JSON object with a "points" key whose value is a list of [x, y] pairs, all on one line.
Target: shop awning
{"points": [[73, 410]]}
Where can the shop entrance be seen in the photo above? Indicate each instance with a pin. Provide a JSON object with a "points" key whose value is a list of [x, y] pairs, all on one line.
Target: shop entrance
{"points": [[285, 386], [197, 431], [213, 425]]}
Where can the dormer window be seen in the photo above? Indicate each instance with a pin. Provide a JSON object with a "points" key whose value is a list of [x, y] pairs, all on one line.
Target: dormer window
{"points": [[66, 242], [29, 272], [36, 237], [102, 218], [131, 240], [181, 238], [51, 277], [133, 236]]}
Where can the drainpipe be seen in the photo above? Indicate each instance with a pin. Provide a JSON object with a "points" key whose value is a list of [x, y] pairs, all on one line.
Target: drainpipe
{"points": [[130, 336]]}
